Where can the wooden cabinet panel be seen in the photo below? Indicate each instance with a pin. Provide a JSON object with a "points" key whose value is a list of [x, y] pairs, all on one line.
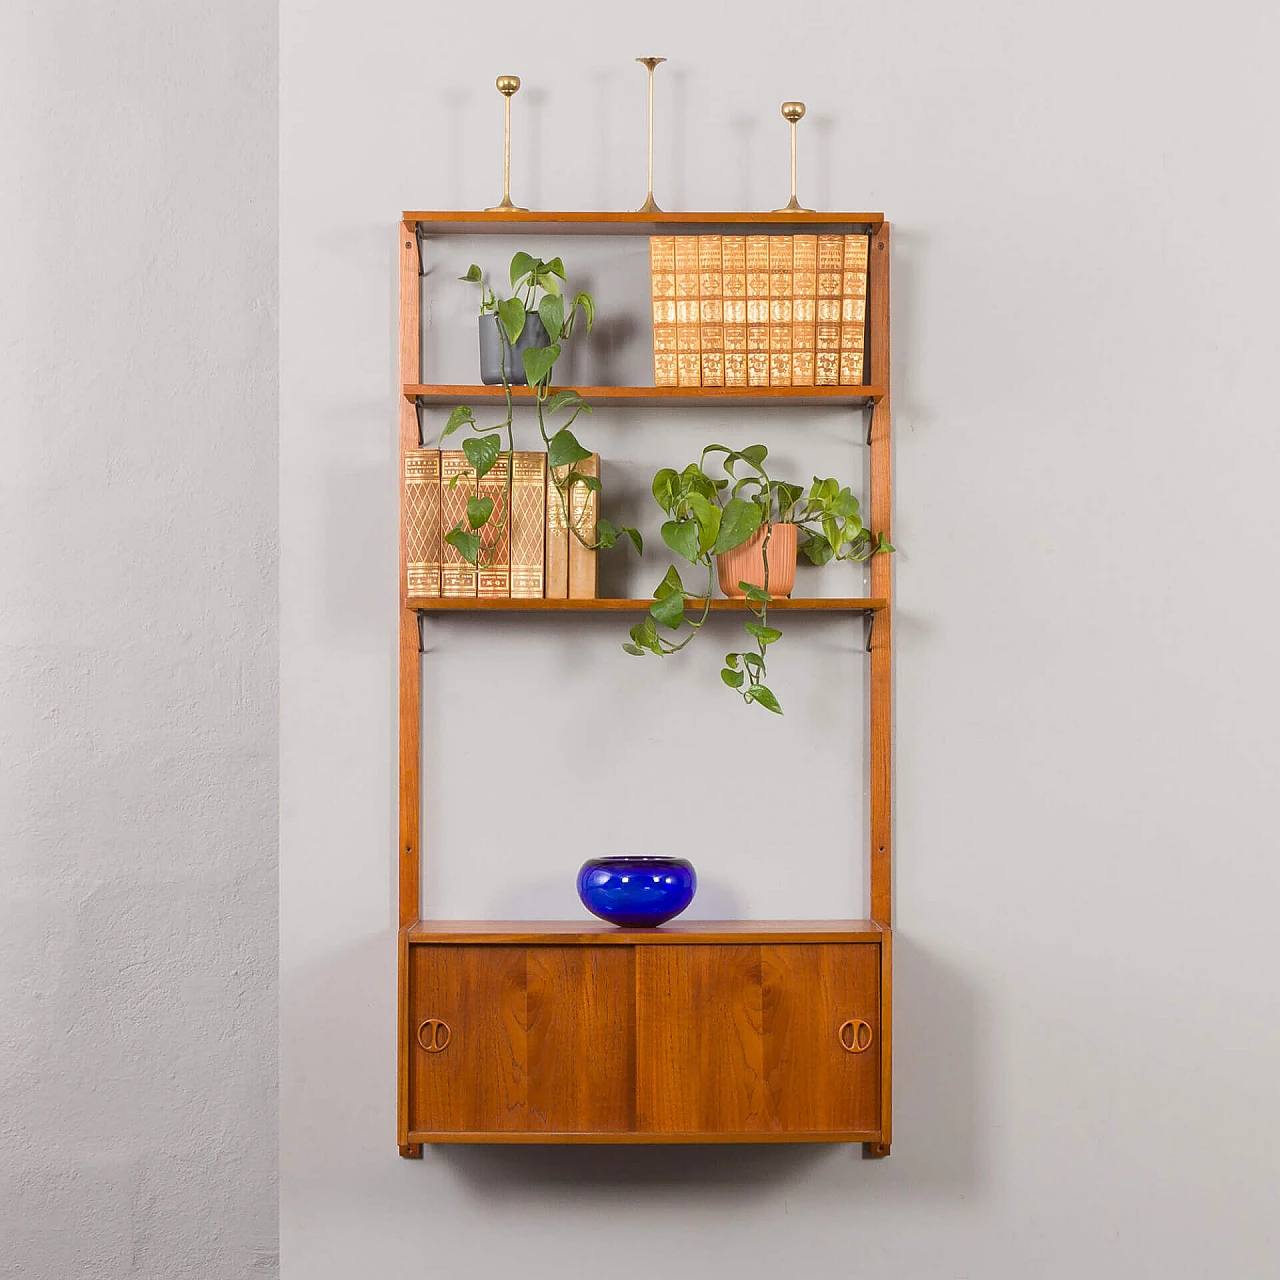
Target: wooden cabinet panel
{"points": [[581, 1042], [818, 1078], [748, 1039], [538, 1039], [475, 1080]]}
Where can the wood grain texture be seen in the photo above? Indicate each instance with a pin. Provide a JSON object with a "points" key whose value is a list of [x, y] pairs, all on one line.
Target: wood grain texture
{"points": [[673, 397], [886, 1041], [410, 710], [478, 1083], [678, 933], [581, 1044], [745, 1039], [699, 1046], [881, 513], [637, 1137], [480, 222], [812, 1082], [432, 604]]}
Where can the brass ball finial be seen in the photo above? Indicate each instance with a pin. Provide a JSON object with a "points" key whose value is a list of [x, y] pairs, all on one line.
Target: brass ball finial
{"points": [[507, 85], [793, 111]]}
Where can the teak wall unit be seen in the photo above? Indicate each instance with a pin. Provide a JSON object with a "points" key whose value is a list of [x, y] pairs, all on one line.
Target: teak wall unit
{"points": [[701, 1031]]}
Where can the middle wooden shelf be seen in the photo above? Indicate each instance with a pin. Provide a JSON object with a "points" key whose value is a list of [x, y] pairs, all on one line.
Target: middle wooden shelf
{"points": [[731, 397], [472, 604]]}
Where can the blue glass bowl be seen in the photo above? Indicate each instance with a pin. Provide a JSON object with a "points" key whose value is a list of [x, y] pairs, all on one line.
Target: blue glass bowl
{"points": [[636, 893]]}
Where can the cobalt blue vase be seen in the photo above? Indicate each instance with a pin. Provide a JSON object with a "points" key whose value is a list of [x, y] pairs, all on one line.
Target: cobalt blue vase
{"points": [[636, 893]]}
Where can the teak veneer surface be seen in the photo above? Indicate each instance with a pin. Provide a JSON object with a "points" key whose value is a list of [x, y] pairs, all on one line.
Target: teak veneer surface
{"points": [[440, 604], [678, 932], [675, 397], [573, 1042], [531, 221]]}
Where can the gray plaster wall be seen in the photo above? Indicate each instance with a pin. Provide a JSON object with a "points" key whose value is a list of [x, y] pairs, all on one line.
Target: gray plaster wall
{"points": [[1085, 334], [138, 595]]}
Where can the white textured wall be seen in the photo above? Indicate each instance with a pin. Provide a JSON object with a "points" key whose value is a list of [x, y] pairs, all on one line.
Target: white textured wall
{"points": [[137, 640], [1085, 265]]}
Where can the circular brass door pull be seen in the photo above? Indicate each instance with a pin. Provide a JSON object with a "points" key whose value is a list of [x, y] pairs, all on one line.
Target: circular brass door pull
{"points": [[438, 1035], [855, 1035]]}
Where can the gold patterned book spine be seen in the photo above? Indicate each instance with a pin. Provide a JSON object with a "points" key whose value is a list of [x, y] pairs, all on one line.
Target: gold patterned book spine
{"points": [[662, 271], [780, 272], [688, 313], [584, 507], [457, 576], [804, 309], [711, 309], [422, 521], [853, 310], [757, 311], [830, 290], [557, 553], [528, 524], [735, 311], [493, 578]]}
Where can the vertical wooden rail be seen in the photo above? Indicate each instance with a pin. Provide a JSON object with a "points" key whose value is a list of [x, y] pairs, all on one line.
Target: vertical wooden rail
{"points": [[881, 874], [410, 687]]}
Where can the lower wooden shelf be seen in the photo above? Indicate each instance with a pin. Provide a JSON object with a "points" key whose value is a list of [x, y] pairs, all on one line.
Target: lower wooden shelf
{"points": [[698, 1032]]}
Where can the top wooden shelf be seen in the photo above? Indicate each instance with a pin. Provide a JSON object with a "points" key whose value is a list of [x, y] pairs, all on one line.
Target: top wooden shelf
{"points": [[478, 222], [677, 932]]}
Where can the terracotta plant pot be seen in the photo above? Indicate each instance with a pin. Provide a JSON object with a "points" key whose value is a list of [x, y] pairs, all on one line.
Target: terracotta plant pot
{"points": [[746, 563]]}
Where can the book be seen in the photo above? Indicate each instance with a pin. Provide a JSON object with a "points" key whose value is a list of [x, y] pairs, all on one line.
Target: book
{"points": [[804, 309], [457, 484], [662, 272], [688, 313], [493, 576], [528, 524], [853, 309], [780, 282], [584, 508], [711, 309], [829, 293], [757, 311], [556, 567], [735, 311], [422, 522]]}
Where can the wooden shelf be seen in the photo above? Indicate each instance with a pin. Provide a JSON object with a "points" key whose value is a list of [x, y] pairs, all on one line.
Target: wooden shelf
{"points": [[469, 604], [732, 397], [678, 932], [534, 221]]}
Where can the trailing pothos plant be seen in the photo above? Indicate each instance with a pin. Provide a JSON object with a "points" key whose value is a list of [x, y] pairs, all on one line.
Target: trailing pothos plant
{"points": [[537, 288], [709, 515]]}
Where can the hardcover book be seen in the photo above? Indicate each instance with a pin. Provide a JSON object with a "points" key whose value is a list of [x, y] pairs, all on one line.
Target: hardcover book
{"points": [[781, 250], [829, 294], [556, 582], [804, 313], [711, 309], [779, 355], [528, 524], [688, 313], [662, 271], [422, 522], [735, 311], [853, 309], [493, 577], [757, 249], [584, 506], [457, 484]]}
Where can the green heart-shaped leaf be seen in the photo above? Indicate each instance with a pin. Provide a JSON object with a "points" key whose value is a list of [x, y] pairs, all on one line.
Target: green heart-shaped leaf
{"points": [[669, 610], [512, 316], [521, 265], [473, 274], [482, 452], [478, 512], [740, 520], [564, 449], [682, 537], [460, 417], [539, 361], [733, 679], [466, 544], [758, 693], [551, 313]]}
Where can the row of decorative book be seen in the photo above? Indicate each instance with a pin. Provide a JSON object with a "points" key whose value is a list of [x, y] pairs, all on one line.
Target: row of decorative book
{"points": [[758, 311], [528, 551]]}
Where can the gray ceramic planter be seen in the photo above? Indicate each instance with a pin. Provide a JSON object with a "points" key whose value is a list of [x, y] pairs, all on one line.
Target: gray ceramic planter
{"points": [[493, 343]]}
